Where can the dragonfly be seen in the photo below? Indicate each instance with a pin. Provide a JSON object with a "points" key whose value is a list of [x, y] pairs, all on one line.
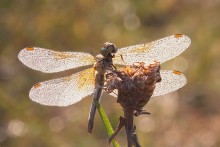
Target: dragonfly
{"points": [[71, 89]]}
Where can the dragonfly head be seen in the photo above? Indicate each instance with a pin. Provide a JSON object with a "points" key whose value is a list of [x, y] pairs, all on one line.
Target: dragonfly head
{"points": [[108, 49]]}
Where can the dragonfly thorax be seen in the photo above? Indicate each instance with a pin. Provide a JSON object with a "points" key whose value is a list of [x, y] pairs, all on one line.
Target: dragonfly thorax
{"points": [[108, 49], [102, 62]]}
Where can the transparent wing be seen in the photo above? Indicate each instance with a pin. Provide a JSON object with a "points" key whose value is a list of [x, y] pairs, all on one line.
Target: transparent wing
{"points": [[50, 61], [160, 50], [64, 91], [171, 81]]}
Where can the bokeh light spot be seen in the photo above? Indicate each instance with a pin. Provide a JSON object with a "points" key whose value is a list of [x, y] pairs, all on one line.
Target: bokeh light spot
{"points": [[16, 128], [56, 124], [131, 22], [146, 125]]}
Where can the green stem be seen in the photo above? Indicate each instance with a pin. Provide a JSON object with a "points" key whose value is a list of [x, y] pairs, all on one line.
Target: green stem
{"points": [[106, 123]]}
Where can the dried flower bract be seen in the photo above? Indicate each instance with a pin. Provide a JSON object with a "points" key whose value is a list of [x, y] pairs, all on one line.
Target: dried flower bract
{"points": [[135, 84]]}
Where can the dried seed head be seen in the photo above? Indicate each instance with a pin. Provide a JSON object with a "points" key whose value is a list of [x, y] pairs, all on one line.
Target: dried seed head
{"points": [[135, 84]]}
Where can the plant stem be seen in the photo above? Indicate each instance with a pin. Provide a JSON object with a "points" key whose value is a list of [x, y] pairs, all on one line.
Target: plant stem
{"points": [[106, 123], [129, 125], [130, 128]]}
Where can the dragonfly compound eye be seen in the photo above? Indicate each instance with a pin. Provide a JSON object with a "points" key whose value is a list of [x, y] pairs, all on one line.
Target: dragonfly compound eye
{"points": [[104, 51], [112, 48], [108, 48]]}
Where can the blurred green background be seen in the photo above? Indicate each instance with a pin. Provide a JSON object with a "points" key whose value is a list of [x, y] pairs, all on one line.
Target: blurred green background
{"points": [[189, 117]]}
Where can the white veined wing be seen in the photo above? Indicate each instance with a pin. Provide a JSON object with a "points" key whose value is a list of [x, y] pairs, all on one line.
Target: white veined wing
{"points": [[160, 50], [171, 81], [50, 61], [64, 91]]}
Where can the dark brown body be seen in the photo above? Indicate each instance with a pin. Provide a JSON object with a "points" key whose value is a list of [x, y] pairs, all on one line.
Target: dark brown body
{"points": [[102, 64]]}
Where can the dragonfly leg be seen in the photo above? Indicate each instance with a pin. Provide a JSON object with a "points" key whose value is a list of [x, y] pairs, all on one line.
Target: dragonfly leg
{"points": [[140, 112], [122, 122], [122, 58]]}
